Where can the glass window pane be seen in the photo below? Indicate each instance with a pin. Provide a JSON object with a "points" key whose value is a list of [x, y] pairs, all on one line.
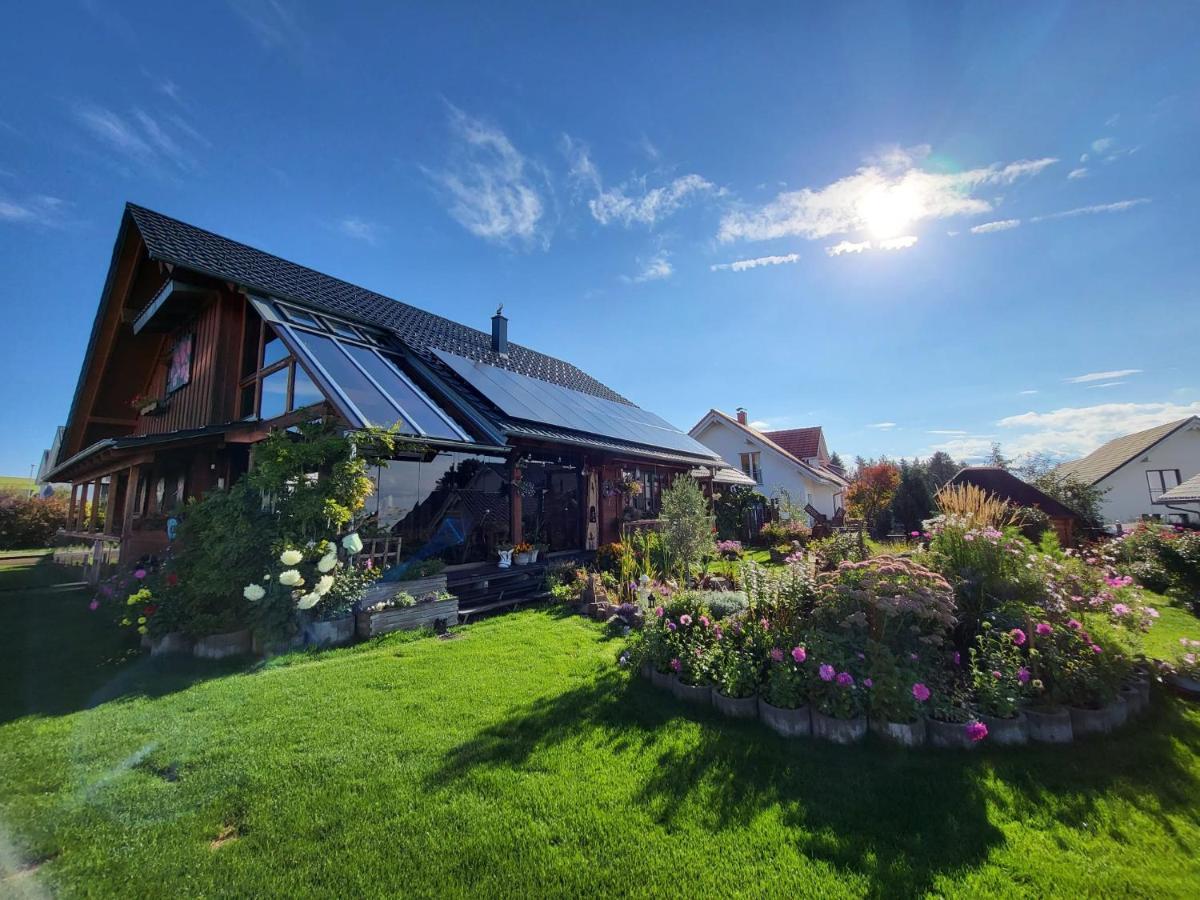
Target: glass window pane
{"points": [[417, 408], [342, 329], [250, 342], [273, 349], [274, 394], [373, 405], [301, 317], [247, 401], [304, 392]]}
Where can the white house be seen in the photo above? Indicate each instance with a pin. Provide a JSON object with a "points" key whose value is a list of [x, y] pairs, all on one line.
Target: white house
{"points": [[795, 461], [1136, 470]]}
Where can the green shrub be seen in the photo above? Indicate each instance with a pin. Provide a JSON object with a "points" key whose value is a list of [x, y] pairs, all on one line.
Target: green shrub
{"points": [[723, 604], [832, 551], [27, 522]]}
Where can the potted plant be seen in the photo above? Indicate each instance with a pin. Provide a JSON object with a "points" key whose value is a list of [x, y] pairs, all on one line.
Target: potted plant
{"points": [[783, 706], [145, 405], [1183, 673], [521, 554], [1046, 714], [838, 705], [735, 677], [505, 552], [402, 611], [950, 723], [897, 698], [659, 650], [332, 621], [999, 676], [536, 550], [689, 640]]}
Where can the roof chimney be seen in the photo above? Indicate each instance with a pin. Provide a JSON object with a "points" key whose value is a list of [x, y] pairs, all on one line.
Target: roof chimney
{"points": [[500, 332], [741, 415]]}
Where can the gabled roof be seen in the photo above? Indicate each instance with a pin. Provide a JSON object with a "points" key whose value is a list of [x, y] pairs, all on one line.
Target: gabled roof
{"points": [[1186, 492], [803, 443], [179, 243], [821, 474], [1007, 486], [1101, 463]]}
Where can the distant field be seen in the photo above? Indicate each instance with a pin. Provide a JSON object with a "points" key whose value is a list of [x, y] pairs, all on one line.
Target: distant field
{"points": [[15, 483]]}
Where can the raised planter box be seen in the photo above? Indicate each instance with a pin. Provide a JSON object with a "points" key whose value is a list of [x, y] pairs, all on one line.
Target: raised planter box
{"points": [[840, 731], [736, 707], [402, 618], [174, 642], [418, 588], [699, 694], [948, 735], [785, 722], [1050, 726], [332, 633], [905, 734], [663, 680], [220, 646], [1012, 732], [278, 647], [1090, 721]]}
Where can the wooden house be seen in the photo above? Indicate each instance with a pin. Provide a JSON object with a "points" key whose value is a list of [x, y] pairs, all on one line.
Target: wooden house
{"points": [[202, 345]]}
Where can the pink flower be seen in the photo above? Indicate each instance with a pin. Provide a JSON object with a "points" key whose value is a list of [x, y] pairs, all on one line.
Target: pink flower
{"points": [[764, 624], [868, 683], [718, 633], [968, 536], [1044, 628], [957, 658], [1120, 609], [685, 620], [1097, 649], [1023, 675], [1152, 612], [920, 692], [996, 674], [825, 672], [704, 621], [845, 679], [1074, 624], [139, 574], [659, 611], [914, 657], [976, 731], [799, 654], [94, 605], [914, 534], [1018, 636], [675, 665], [776, 654]]}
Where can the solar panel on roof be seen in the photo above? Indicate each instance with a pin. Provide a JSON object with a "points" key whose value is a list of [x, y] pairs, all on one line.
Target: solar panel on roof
{"points": [[523, 397]]}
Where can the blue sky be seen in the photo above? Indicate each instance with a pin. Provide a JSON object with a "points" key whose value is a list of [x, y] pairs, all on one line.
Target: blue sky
{"points": [[915, 225]]}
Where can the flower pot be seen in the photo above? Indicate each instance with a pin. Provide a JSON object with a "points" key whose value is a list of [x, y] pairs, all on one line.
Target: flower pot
{"points": [[785, 722], [1133, 700], [219, 646], [1188, 687], [1011, 732], [736, 707], [840, 731], [698, 694], [1118, 713], [1050, 726], [664, 680], [521, 559], [331, 633], [1090, 721], [1141, 684], [906, 734], [948, 735], [505, 558], [172, 642], [533, 555], [646, 671]]}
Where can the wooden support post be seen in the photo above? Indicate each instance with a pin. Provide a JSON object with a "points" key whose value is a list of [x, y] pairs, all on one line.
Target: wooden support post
{"points": [[110, 507], [514, 501], [94, 519], [71, 507]]}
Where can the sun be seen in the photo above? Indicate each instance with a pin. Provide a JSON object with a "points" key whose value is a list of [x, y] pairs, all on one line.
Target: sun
{"points": [[889, 211]]}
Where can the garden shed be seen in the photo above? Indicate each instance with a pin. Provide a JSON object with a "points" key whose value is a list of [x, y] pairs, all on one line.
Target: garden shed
{"points": [[1007, 486]]}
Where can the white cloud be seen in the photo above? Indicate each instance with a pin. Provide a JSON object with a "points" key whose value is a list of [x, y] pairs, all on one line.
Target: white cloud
{"points": [[1076, 431], [848, 247], [142, 139], [1107, 384], [1102, 376], [113, 130], [883, 426], [631, 204], [359, 229], [1119, 206], [39, 209], [1081, 172], [886, 196], [969, 448], [760, 425], [1101, 144], [656, 268], [272, 22], [1028, 392], [741, 265], [898, 243], [999, 225], [1112, 120], [947, 431], [489, 185]]}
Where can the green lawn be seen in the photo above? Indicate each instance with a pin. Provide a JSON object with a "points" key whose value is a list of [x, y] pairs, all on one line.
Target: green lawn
{"points": [[516, 761], [16, 484]]}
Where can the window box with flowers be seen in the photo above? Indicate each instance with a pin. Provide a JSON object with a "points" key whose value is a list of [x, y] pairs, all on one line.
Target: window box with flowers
{"points": [[148, 406]]}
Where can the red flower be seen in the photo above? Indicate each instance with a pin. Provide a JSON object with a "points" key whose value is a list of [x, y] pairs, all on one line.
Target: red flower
{"points": [[172, 579], [149, 610]]}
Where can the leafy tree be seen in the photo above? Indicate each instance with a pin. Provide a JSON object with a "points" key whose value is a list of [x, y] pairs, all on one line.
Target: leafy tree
{"points": [[1041, 470], [730, 507], [872, 491], [835, 462], [941, 468], [687, 534], [913, 502], [997, 458]]}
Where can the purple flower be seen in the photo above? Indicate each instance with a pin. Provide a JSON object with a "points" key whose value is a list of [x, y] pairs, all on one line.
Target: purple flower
{"points": [[1120, 609], [996, 674], [868, 683], [776, 654], [957, 658], [1023, 675], [799, 654], [718, 633], [825, 672], [1043, 628], [920, 692], [976, 731], [675, 665], [845, 679], [139, 574], [1074, 624], [914, 534], [659, 611], [685, 620], [914, 657], [1097, 649], [670, 625], [94, 605], [1018, 636]]}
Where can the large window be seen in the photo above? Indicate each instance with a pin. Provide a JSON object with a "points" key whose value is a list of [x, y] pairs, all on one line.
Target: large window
{"points": [[551, 504], [752, 465], [454, 507], [273, 382], [1160, 481]]}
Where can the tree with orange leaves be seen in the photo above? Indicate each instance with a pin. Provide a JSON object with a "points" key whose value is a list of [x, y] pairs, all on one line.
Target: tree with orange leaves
{"points": [[872, 490]]}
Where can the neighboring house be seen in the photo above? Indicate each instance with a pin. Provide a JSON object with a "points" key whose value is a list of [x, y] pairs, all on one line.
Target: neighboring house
{"points": [[1007, 486], [202, 346], [795, 461], [1185, 499], [1135, 470]]}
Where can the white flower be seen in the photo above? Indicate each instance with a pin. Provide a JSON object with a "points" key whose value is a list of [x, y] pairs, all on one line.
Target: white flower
{"points": [[308, 601], [291, 557], [291, 578], [253, 592], [324, 583], [327, 562], [352, 543]]}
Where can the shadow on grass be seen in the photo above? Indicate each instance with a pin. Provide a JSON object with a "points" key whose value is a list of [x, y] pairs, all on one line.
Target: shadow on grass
{"points": [[901, 818]]}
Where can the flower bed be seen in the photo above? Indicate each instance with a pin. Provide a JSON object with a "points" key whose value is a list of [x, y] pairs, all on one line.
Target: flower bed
{"points": [[979, 637]]}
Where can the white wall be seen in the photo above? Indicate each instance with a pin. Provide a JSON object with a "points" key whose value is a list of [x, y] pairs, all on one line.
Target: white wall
{"points": [[1128, 495], [777, 471]]}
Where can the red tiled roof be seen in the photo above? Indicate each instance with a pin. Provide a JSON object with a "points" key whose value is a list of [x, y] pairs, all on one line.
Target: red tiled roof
{"points": [[803, 443]]}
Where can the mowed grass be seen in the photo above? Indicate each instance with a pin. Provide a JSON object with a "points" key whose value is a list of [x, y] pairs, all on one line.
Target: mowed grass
{"points": [[516, 761]]}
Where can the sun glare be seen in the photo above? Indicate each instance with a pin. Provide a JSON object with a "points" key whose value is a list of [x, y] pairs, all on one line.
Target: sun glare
{"points": [[889, 211]]}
